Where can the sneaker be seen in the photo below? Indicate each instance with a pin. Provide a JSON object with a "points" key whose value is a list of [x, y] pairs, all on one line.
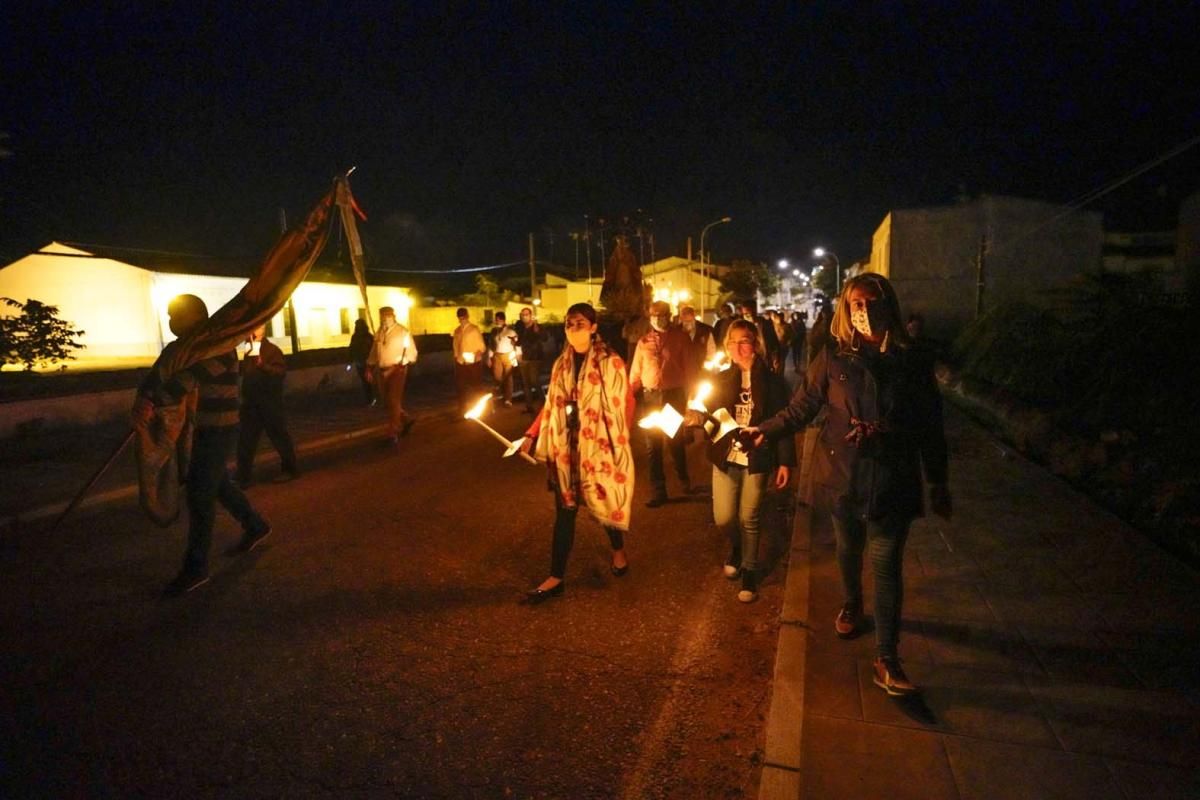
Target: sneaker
{"points": [[731, 571], [508, 403], [846, 624], [733, 564], [890, 677], [185, 582], [749, 592], [249, 541]]}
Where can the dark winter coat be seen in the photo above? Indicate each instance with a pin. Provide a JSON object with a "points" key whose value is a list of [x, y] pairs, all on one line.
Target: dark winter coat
{"points": [[531, 340], [892, 401], [769, 393]]}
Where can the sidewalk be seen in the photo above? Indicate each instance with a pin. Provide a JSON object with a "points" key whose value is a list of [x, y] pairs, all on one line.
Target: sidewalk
{"points": [[40, 474], [1056, 647]]}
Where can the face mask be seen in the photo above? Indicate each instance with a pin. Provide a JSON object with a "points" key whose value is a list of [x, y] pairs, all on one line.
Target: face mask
{"points": [[657, 324], [867, 320]]}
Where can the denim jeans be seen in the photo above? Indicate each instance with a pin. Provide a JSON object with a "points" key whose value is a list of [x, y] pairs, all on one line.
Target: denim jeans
{"points": [[208, 481], [737, 499], [564, 537], [886, 538]]}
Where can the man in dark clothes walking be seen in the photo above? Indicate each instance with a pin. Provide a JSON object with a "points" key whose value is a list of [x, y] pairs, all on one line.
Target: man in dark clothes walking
{"points": [[263, 369], [216, 380]]}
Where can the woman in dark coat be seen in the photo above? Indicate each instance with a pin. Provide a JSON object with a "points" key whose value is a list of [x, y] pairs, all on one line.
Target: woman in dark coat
{"points": [[751, 392], [883, 425]]}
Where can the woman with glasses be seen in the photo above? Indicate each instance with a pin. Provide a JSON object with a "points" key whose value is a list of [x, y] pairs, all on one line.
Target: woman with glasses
{"points": [[883, 426], [582, 434], [751, 392]]}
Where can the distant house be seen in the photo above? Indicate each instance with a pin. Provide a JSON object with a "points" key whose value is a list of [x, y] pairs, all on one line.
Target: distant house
{"points": [[950, 263], [119, 297], [676, 280]]}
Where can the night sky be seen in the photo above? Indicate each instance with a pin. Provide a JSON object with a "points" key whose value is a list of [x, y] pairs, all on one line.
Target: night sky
{"points": [[471, 125]]}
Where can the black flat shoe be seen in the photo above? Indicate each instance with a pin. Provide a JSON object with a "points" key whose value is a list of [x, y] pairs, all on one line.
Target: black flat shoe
{"points": [[538, 596], [619, 571]]}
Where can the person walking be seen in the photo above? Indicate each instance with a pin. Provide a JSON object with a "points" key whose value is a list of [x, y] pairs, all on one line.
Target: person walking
{"points": [[361, 342], [394, 351], [215, 380], [582, 434], [502, 356], [657, 372], [883, 426], [468, 360], [263, 370], [751, 392], [531, 350], [724, 318]]}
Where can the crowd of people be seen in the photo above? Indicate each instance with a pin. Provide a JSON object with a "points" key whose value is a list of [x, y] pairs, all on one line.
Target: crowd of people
{"points": [[862, 376]]}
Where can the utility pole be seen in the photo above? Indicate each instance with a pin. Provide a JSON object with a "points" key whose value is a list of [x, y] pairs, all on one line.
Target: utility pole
{"points": [[289, 309], [532, 272], [980, 265], [587, 235]]}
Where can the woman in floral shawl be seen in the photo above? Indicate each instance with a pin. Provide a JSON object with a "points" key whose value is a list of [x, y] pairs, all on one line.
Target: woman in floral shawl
{"points": [[583, 435]]}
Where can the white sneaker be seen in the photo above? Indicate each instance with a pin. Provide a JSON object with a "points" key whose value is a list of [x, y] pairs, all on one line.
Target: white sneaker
{"points": [[747, 596], [731, 571]]}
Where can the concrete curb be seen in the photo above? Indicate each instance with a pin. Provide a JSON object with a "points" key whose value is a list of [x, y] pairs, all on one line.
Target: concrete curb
{"points": [[781, 774], [14, 521]]}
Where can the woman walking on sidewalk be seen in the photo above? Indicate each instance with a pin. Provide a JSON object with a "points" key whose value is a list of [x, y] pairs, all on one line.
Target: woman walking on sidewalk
{"points": [[883, 424], [582, 433], [750, 392]]}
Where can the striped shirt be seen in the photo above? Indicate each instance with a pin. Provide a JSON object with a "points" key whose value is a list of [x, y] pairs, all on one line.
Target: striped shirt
{"points": [[216, 379]]}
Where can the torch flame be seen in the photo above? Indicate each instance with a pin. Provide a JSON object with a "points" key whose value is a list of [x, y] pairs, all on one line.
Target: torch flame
{"points": [[477, 410], [718, 363], [666, 419]]}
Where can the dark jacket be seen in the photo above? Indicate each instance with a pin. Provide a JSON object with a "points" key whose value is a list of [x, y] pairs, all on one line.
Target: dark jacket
{"points": [[769, 392], [531, 340], [262, 375], [360, 345], [897, 394]]}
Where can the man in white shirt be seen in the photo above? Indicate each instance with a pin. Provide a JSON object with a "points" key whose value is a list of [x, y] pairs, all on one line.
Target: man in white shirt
{"points": [[394, 350], [469, 350], [502, 355]]}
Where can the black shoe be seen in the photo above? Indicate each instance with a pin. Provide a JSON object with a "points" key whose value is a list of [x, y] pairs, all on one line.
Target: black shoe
{"points": [[619, 571], [539, 596], [249, 541], [185, 582], [656, 501]]}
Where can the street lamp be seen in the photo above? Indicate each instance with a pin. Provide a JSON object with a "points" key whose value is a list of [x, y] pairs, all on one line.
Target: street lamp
{"points": [[704, 269], [783, 263], [821, 252]]}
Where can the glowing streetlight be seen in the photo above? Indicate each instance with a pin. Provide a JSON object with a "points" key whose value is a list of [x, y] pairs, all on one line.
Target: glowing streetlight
{"points": [[783, 263], [821, 252]]}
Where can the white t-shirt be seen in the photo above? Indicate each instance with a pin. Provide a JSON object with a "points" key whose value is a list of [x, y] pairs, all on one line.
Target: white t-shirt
{"points": [[742, 410]]}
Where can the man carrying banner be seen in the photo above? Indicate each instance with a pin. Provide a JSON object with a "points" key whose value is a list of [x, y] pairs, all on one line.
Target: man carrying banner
{"points": [[216, 380]]}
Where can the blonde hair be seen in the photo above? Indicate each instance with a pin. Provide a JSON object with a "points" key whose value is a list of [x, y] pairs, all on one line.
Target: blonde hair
{"points": [[843, 331], [749, 327]]}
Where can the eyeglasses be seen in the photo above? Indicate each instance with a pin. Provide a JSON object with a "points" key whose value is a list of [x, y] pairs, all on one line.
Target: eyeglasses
{"points": [[742, 342]]}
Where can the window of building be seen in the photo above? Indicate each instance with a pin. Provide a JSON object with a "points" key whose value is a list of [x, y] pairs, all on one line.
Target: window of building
{"points": [[344, 317]]}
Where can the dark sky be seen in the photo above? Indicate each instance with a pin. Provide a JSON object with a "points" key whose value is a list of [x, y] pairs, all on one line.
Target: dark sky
{"points": [[189, 127]]}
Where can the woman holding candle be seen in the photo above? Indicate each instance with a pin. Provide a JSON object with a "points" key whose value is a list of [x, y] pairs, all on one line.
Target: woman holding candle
{"points": [[750, 391], [582, 434], [883, 425]]}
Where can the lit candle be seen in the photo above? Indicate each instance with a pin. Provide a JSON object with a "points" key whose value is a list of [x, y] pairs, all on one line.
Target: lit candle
{"points": [[666, 419], [703, 390], [468, 358], [718, 363]]}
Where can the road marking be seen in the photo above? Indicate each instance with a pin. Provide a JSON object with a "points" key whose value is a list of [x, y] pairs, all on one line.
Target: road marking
{"points": [[667, 728]]}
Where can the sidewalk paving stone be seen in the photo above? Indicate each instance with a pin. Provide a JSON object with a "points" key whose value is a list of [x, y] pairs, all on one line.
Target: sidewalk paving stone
{"points": [[987, 770]]}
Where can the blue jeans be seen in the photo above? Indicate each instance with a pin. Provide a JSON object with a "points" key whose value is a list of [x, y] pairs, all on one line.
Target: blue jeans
{"points": [[208, 481], [737, 499], [887, 537]]}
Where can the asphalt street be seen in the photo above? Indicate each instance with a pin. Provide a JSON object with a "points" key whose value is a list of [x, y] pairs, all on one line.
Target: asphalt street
{"points": [[375, 644]]}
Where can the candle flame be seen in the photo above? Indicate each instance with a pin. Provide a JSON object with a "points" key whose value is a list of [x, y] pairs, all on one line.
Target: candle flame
{"points": [[703, 390], [718, 363], [477, 410], [468, 358], [666, 419]]}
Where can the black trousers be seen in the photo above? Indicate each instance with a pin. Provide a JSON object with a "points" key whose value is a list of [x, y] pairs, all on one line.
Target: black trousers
{"points": [[654, 438], [261, 413], [564, 537]]}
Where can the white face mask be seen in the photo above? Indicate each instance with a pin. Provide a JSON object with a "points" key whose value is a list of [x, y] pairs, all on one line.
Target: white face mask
{"points": [[657, 324], [861, 321]]}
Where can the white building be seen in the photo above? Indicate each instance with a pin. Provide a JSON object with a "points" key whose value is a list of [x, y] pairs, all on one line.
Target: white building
{"points": [[119, 296]]}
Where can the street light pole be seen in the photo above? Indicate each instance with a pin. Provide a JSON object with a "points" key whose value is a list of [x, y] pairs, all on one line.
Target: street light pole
{"points": [[703, 267]]}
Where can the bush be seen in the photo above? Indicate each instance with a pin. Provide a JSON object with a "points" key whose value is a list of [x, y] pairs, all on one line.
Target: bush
{"points": [[37, 337]]}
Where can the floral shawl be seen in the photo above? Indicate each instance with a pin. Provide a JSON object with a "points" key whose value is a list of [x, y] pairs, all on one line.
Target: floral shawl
{"points": [[595, 460]]}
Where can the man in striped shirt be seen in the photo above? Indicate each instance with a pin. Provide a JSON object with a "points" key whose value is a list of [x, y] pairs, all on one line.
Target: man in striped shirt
{"points": [[208, 480]]}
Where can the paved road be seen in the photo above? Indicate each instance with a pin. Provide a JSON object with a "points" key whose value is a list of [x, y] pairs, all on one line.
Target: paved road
{"points": [[375, 647]]}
